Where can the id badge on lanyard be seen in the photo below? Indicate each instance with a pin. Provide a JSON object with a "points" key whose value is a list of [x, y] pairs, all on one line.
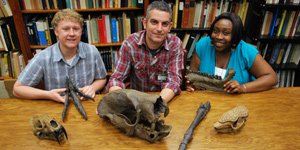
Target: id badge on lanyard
{"points": [[162, 77]]}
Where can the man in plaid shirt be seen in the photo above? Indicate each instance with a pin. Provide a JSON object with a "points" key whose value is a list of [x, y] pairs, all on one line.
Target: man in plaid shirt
{"points": [[152, 58]]}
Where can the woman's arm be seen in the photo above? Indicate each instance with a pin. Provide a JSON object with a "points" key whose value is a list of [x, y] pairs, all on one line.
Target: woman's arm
{"points": [[266, 76]]}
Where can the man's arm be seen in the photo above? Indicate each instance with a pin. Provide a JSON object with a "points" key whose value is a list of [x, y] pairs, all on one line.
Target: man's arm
{"points": [[167, 94], [175, 67], [27, 92], [94, 87], [121, 70]]}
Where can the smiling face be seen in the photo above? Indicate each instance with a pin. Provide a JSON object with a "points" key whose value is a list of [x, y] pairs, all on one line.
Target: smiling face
{"points": [[221, 35], [68, 34], [158, 25]]}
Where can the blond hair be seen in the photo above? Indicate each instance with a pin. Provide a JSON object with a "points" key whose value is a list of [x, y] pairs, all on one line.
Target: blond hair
{"points": [[66, 14]]}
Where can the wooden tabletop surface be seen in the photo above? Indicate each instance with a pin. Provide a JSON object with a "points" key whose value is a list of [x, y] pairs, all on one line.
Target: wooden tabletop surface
{"points": [[273, 123]]}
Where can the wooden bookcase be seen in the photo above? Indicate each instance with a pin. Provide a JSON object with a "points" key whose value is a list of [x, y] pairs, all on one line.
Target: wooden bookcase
{"points": [[27, 48], [253, 23], [267, 40]]}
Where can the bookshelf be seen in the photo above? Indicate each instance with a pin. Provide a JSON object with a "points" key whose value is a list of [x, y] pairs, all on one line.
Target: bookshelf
{"points": [[23, 12], [252, 13], [276, 33]]}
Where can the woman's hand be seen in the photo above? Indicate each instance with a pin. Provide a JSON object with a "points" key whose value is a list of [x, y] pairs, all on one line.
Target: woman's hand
{"points": [[234, 86]]}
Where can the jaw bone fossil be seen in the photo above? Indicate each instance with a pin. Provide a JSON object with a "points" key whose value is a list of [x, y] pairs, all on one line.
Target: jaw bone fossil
{"points": [[73, 91], [209, 82]]}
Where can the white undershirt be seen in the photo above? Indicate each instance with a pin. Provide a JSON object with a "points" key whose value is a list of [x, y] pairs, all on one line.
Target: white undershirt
{"points": [[220, 72], [69, 61]]}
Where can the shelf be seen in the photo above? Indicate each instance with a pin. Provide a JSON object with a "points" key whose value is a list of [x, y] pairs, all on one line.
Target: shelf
{"points": [[108, 44], [37, 11], [280, 6], [191, 30], [289, 66], [281, 39], [96, 44]]}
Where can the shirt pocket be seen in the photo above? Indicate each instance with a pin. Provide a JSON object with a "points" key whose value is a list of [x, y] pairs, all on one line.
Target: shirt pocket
{"points": [[140, 70]]}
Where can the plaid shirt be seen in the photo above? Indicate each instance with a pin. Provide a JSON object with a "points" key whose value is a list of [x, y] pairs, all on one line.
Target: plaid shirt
{"points": [[144, 69], [50, 66]]}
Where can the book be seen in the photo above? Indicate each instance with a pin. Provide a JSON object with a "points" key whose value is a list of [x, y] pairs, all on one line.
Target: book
{"points": [[186, 14], [197, 16], [282, 80], [295, 27], [185, 40], [140, 3], [275, 53], [114, 30], [286, 21], [41, 32], [6, 37], [273, 24], [288, 78], [287, 53], [281, 23], [290, 23], [267, 23], [281, 52], [16, 64], [191, 14], [175, 13], [2, 40], [293, 78], [180, 13], [295, 57], [193, 46], [4, 5]]}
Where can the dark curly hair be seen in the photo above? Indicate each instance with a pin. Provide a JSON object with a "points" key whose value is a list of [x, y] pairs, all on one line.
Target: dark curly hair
{"points": [[237, 27]]}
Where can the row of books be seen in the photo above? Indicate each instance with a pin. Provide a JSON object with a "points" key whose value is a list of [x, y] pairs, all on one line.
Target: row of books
{"points": [[189, 41], [282, 1], [102, 29], [78, 4], [8, 33], [112, 29], [39, 31], [281, 54], [5, 10], [201, 13], [286, 78], [11, 64], [109, 57], [281, 23]]}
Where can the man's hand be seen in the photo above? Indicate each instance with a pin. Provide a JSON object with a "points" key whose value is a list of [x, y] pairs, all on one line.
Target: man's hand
{"points": [[88, 90], [55, 95]]}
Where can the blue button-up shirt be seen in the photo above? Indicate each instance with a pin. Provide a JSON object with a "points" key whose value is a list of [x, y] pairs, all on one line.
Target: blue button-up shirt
{"points": [[50, 66]]}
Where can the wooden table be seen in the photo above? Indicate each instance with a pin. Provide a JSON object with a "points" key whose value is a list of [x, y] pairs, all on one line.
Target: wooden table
{"points": [[273, 123]]}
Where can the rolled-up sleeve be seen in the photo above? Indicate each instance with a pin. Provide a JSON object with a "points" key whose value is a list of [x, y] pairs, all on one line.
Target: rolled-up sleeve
{"points": [[121, 69], [175, 66]]}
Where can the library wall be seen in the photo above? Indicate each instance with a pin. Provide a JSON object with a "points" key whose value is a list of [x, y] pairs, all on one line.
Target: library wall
{"points": [[273, 26]]}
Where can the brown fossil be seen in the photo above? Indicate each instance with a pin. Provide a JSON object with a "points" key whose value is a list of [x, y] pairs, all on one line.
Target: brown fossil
{"points": [[136, 113], [45, 127], [73, 92], [209, 82]]}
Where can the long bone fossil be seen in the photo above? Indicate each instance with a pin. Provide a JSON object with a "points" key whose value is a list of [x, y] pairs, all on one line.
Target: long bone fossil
{"points": [[73, 91], [209, 82]]}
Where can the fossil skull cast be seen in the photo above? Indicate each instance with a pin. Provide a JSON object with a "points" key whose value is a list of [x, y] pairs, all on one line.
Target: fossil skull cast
{"points": [[136, 113], [45, 127], [232, 120], [209, 82]]}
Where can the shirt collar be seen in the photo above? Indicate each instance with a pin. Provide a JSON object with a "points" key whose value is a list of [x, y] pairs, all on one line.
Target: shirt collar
{"points": [[142, 40], [57, 56]]}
